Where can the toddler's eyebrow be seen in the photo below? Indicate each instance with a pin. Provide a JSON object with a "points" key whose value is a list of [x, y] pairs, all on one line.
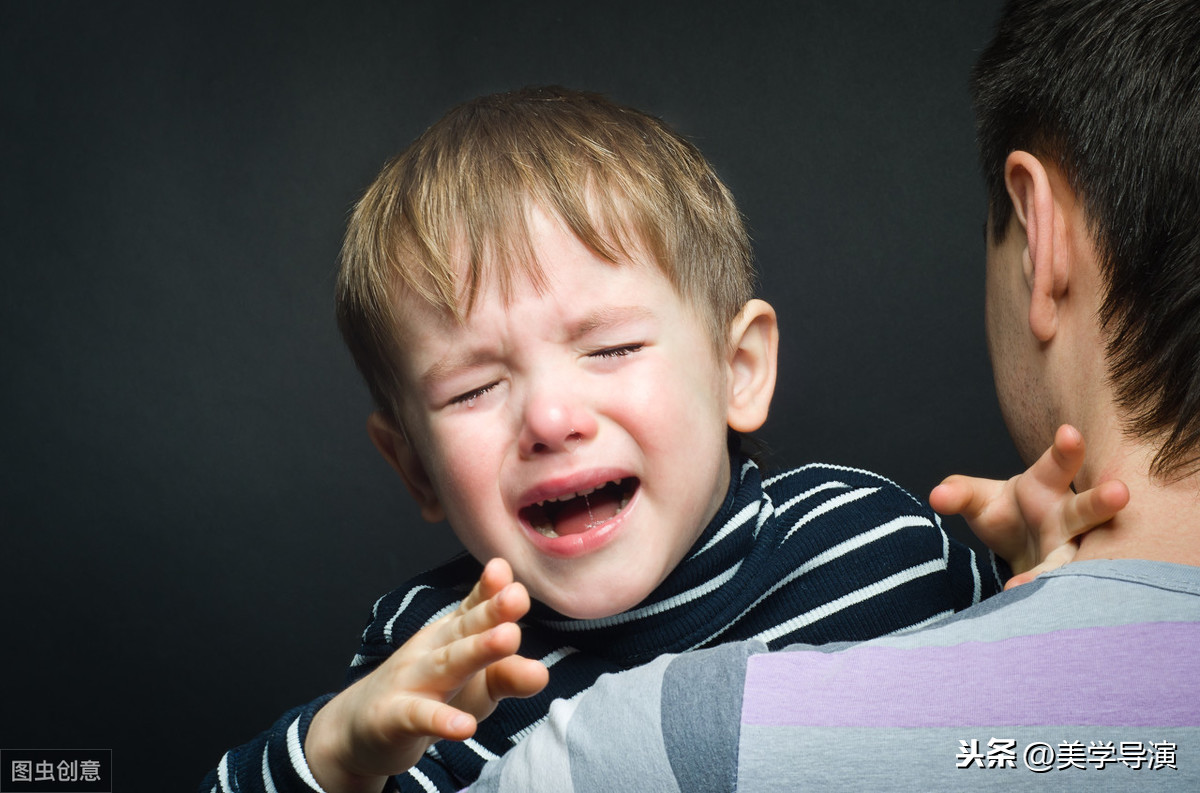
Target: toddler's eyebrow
{"points": [[608, 317], [440, 370]]}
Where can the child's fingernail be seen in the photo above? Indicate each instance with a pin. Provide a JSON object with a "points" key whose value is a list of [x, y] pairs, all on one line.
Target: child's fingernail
{"points": [[460, 722]]}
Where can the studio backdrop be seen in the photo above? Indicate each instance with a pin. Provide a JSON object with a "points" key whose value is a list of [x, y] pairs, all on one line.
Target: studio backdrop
{"points": [[194, 522]]}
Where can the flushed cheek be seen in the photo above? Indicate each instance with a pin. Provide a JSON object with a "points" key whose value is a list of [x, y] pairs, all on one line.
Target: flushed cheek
{"points": [[669, 402], [466, 476], [685, 457]]}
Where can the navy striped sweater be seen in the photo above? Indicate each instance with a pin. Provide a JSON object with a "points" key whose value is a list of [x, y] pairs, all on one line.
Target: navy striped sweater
{"points": [[816, 554]]}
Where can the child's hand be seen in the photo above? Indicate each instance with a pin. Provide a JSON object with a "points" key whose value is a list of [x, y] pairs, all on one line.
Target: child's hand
{"points": [[435, 686], [1032, 519]]}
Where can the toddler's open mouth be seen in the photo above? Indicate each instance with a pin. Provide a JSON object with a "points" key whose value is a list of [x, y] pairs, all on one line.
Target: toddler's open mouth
{"points": [[575, 513]]}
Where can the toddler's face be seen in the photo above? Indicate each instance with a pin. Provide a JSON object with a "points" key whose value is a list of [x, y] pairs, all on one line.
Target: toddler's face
{"points": [[578, 431]]}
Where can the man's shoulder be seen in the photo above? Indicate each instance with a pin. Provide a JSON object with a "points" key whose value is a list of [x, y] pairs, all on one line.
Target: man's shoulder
{"points": [[1143, 579], [1104, 593]]}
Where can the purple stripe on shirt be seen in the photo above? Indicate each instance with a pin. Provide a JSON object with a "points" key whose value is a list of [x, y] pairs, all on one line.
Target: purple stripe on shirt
{"points": [[1145, 674]]}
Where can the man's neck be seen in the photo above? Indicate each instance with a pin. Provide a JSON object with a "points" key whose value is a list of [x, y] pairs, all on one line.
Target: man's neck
{"points": [[1161, 521]]}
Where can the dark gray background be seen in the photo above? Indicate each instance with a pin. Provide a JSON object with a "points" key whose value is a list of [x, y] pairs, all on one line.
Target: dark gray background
{"points": [[194, 522]]}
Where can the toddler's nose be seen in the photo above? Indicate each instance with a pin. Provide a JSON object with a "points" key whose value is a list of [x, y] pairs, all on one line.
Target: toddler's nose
{"points": [[555, 424]]}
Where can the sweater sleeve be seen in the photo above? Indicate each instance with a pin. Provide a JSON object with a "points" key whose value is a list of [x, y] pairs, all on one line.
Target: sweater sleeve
{"points": [[273, 761]]}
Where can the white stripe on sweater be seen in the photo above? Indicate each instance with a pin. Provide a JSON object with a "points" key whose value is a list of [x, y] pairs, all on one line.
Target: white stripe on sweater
{"points": [[765, 513], [408, 598], [296, 755], [746, 466], [845, 601], [741, 517], [268, 780], [556, 656], [995, 570], [731, 525], [832, 504], [425, 782], [443, 611], [859, 540], [481, 750], [826, 556], [791, 502], [978, 593], [832, 467], [360, 659], [223, 772]]}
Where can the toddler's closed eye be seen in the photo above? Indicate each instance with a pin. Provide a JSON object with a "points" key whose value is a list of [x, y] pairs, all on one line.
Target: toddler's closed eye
{"points": [[616, 352], [471, 396]]}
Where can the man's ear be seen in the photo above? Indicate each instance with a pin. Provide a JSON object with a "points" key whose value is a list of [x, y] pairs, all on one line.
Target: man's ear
{"points": [[395, 447], [753, 354], [1046, 258]]}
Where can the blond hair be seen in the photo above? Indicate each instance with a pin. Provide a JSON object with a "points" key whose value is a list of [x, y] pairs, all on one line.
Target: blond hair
{"points": [[622, 182]]}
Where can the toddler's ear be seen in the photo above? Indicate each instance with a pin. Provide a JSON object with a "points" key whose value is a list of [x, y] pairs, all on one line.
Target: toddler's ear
{"points": [[394, 445], [753, 353]]}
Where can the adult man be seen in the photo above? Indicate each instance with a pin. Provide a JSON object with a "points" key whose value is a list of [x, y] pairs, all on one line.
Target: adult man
{"points": [[1089, 124]]}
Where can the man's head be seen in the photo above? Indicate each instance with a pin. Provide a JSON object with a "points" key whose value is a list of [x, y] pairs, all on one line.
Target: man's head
{"points": [[1105, 95], [549, 296]]}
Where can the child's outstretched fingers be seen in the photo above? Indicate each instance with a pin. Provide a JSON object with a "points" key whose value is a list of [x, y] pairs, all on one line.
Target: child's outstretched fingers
{"points": [[1080, 514], [1032, 519], [496, 575], [429, 717], [966, 496], [516, 677], [491, 638], [1059, 464], [435, 686], [478, 638], [1094, 507], [990, 508], [963, 495], [1054, 514]]}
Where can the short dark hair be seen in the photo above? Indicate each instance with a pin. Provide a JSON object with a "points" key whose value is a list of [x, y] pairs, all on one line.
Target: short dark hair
{"points": [[1109, 91]]}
